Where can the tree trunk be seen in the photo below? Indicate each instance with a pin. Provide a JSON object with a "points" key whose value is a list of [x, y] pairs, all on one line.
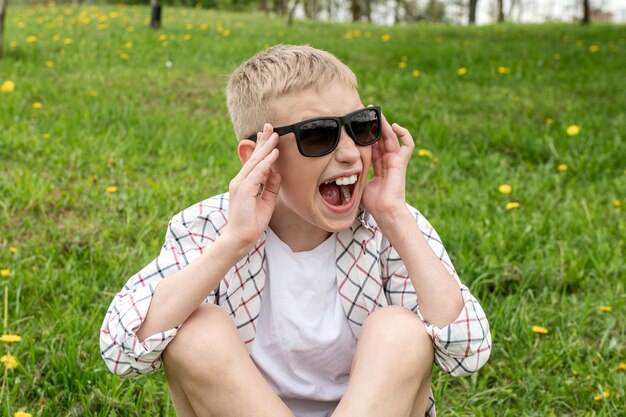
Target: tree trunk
{"points": [[355, 9], [155, 14], [368, 10], [3, 8], [586, 17], [500, 11], [291, 12], [472, 11]]}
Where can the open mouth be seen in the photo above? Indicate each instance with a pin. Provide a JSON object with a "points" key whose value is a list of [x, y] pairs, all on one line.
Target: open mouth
{"points": [[339, 191]]}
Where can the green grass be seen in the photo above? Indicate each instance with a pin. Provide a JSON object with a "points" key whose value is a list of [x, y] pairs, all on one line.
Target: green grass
{"points": [[163, 137]]}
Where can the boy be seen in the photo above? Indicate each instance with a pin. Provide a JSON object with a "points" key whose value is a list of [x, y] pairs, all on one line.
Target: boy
{"points": [[307, 289]]}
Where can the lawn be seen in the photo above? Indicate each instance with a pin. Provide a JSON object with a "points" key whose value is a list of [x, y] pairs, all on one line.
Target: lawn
{"points": [[108, 128]]}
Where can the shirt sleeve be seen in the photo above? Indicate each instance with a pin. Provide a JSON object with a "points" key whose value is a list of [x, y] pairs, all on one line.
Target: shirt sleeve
{"points": [[463, 346], [122, 351]]}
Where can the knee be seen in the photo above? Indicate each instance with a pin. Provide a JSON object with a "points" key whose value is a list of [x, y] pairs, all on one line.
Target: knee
{"points": [[204, 340], [400, 332]]}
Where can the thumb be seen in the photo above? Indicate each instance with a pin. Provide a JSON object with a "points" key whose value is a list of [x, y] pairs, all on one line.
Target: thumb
{"points": [[272, 185]]}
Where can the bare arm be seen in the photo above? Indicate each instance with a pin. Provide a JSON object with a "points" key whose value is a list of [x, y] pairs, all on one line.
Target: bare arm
{"points": [[439, 295], [179, 295]]}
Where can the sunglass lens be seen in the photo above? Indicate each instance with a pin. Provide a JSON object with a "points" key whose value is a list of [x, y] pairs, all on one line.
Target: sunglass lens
{"points": [[318, 137], [365, 126]]}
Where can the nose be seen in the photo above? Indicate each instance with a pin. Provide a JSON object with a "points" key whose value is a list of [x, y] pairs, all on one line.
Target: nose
{"points": [[347, 150]]}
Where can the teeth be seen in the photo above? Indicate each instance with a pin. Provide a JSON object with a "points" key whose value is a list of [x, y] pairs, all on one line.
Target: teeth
{"points": [[346, 180]]}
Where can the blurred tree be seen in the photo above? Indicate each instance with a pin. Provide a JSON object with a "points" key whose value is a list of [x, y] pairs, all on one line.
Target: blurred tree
{"points": [[311, 8], [586, 17], [472, 11], [3, 9], [361, 10], [435, 11], [406, 11], [500, 11], [155, 14]]}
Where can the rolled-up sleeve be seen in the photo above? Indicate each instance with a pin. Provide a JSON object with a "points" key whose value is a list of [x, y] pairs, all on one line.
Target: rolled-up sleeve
{"points": [[461, 347], [122, 351]]}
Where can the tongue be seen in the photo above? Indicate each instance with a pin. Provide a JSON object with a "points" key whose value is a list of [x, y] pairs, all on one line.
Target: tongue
{"points": [[330, 193]]}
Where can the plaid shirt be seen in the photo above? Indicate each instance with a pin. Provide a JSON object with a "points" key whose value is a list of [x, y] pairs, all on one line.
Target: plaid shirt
{"points": [[370, 274]]}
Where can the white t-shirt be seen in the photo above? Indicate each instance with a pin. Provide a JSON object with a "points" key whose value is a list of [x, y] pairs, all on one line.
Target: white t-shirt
{"points": [[303, 346]]}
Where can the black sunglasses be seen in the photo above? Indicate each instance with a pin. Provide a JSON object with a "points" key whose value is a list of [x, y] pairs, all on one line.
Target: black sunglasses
{"points": [[320, 136]]}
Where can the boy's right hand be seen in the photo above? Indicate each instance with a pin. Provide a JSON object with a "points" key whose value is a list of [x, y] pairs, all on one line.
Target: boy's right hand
{"points": [[253, 191]]}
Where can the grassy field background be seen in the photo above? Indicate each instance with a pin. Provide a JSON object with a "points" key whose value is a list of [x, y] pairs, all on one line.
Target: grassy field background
{"points": [[131, 127]]}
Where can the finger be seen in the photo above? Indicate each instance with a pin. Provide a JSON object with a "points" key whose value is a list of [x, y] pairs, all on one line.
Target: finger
{"points": [[389, 137], [259, 174], [377, 159], [260, 152], [408, 144], [272, 185]]}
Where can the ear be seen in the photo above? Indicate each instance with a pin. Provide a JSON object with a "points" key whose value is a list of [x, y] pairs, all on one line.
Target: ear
{"points": [[245, 149]]}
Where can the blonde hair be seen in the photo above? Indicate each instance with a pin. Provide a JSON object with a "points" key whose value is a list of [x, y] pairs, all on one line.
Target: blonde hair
{"points": [[276, 71]]}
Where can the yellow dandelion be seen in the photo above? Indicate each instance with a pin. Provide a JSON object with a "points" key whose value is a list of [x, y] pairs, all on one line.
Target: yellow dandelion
{"points": [[594, 48], [112, 189], [31, 39], [416, 73], [187, 37], [461, 71], [163, 37], [505, 189], [573, 130], [226, 32], [21, 25], [128, 45], [22, 414], [56, 38], [204, 26], [424, 152], [37, 105], [621, 366], [562, 167], [603, 395], [12, 249], [512, 205], [92, 93], [130, 29], [402, 65], [7, 87], [504, 70], [5, 273], [605, 309], [386, 37], [9, 361], [549, 120], [68, 41], [124, 56], [49, 64], [10, 338], [348, 36], [46, 136], [540, 330], [617, 203], [13, 44]]}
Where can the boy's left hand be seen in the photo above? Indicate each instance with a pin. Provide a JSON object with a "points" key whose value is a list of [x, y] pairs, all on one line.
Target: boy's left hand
{"points": [[384, 196]]}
